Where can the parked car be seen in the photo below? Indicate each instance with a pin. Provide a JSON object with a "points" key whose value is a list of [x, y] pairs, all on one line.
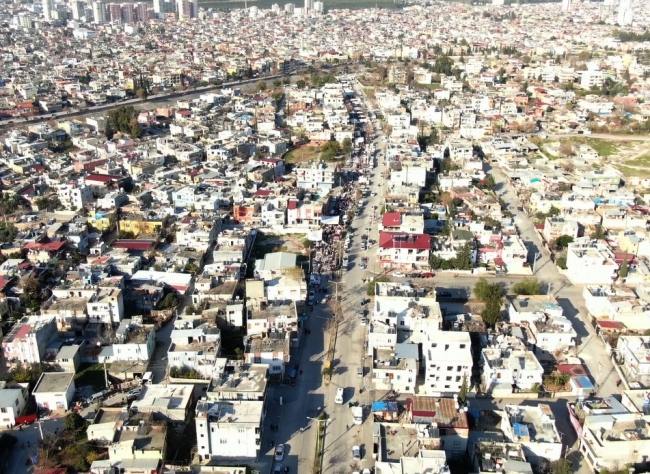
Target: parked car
{"points": [[428, 275], [339, 396], [134, 393], [364, 322], [365, 301], [399, 275], [279, 452], [356, 453]]}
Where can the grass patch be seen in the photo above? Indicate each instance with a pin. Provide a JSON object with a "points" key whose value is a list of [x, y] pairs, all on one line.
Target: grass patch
{"points": [[641, 161], [627, 171], [602, 147], [91, 374], [432, 86], [302, 154]]}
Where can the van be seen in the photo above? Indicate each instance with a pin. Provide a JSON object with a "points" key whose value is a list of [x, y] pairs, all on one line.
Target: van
{"points": [[147, 378], [360, 371], [95, 397]]}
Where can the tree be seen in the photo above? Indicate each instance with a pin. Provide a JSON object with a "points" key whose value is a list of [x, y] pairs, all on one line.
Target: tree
{"points": [[123, 119], [370, 287], [622, 272], [491, 314], [169, 301], [566, 148], [7, 232], [141, 93], [563, 241], [486, 291], [462, 394], [261, 85], [561, 466], [300, 84], [561, 262], [529, 286], [73, 421], [347, 146], [463, 259]]}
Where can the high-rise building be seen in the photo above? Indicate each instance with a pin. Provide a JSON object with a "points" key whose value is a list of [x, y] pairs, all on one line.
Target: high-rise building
{"points": [[78, 10], [158, 7], [115, 13], [128, 13], [319, 7], [195, 8], [99, 12], [625, 17], [289, 8], [185, 9], [142, 12], [48, 8], [566, 5], [24, 20], [309, 6]]}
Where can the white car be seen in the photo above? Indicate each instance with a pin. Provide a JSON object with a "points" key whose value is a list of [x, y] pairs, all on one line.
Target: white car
{"points": [[399, 275], [339, 396], [364, 322], [356, 453], [279, 452]]}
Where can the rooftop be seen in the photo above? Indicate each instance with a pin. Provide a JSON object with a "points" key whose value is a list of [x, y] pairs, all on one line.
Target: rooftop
{"points": [[242, 412], [54, 382], [533, 423]]}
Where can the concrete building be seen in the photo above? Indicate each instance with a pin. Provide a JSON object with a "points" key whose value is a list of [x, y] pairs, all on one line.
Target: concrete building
{"points": [[195, 345], [404, 251], [229, 430], [54, 390], [28, 339], [396, 368], [48, 8], [532, 308], [510, 366], [13, 399], [166, 402], [134, 341], [448, 358], [272, 349], [234, 380], [316, 176], [634, 353], [534, 428]]}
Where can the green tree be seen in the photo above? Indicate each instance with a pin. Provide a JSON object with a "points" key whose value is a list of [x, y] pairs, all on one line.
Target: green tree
{"points": [[169, 301], [623, 271], [370, 287], [73, 421], [598, 233], [529, 286], [300, 84], [261, 85], [563, 241], [491, 314], [7, 232], [123, 119], [561, 466], [462, 394], [463, 259], [486, 291], [347, 146], [561, 262]]}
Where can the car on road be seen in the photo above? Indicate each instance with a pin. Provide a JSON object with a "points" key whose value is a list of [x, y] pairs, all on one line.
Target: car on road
{"points": [[399, 274], [364, 321], [279, 452], [277, 468], [356, 453], [339, 396], [365, 301], [134, 393], [427, 275]]}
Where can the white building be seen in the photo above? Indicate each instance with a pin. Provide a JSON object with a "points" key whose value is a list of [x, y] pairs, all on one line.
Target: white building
{"points": [[396, 368], [316, 176], [229, 430], [507, 367], [533, 427], [448, 358], [634, 353], [54, 390], [532, 308], [195, 345], [48, 7], [553, 333], [404, 251], [591, 263], [12, 403], [27, 341], [134, 341]]}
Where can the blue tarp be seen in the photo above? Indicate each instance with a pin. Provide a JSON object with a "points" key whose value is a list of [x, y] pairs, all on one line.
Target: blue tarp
{"points": [[384, 406], [521, 430], [476, 414]]}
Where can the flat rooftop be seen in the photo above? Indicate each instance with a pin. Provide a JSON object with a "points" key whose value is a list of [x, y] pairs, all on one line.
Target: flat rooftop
{"points": [[534, 304], [54, 382], [538, 422], [108, 415], [238, 378], [67, 305], [242, 412], [274, 309], [269, 344]]}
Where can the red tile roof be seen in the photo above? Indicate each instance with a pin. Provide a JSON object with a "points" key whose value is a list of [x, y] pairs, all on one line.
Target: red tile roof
{"points": [[134, 244], [262, 193], [102, 178], [392, 219], [292, 204], [393, 240], [23, 331], [605, 324], [49, 246]]}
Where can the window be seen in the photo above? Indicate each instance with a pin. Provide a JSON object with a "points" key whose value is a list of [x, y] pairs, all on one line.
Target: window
{"points": [[3, 410], [447, 386], [448, 379], [242, 430], [459, 369], [223, 441], [202, 435], [462, 346], [450, 368], [401, 323]]}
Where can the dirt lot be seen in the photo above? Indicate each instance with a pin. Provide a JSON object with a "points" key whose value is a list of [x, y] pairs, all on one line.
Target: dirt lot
{"points": [[269, 243]]}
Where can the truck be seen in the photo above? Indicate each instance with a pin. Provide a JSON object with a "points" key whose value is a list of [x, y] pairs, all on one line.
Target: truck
{"points": [[357, 415]]}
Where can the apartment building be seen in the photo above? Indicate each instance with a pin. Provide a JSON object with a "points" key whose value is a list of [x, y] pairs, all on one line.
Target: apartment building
{"points": [[609, 442], [534, 428], [402, 223], [13, 400], [106, 306], [134, 341], [448, 359], [509, 367], [27, 341], [234, 380], [272, 349], [532, 308], [591, 263], [634, 354], [195, 345], [553, 333], [555, 227], [406, 308], [319, 175], [404, 251], [229, 430], [602, 301], [305, 213], [395, 368]]}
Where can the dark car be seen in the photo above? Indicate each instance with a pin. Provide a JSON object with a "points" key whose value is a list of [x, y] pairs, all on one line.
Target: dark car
{"points": [[365, 301]]}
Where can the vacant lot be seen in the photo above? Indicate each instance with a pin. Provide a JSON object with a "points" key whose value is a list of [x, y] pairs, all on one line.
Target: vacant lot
{"points": [[642, 161], [302, 154], [627, 171]]}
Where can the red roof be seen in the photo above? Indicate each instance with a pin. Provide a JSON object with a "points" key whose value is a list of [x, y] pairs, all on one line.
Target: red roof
{"points": [[292, 204], [134, 244], [392, 219], [606, 324], [23, 331], [4, 281], [49, 246], [393, 240], [499, 261], [102, 178], [574, 370], [262, 193]]}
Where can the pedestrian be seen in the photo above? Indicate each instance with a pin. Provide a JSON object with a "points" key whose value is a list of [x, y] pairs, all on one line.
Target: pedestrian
{"points": [[302, 430], [271, 443]]}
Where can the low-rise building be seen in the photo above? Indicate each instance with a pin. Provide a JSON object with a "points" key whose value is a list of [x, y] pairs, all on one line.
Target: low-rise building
{"points": [[229, 430], [28, 339], [404, 251], [13, 400], [508, 367], [634, 355], [166, 402], [534, 428], [54, 390], [396, 368], [591, 262], [448, 361], [532, 308]]}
